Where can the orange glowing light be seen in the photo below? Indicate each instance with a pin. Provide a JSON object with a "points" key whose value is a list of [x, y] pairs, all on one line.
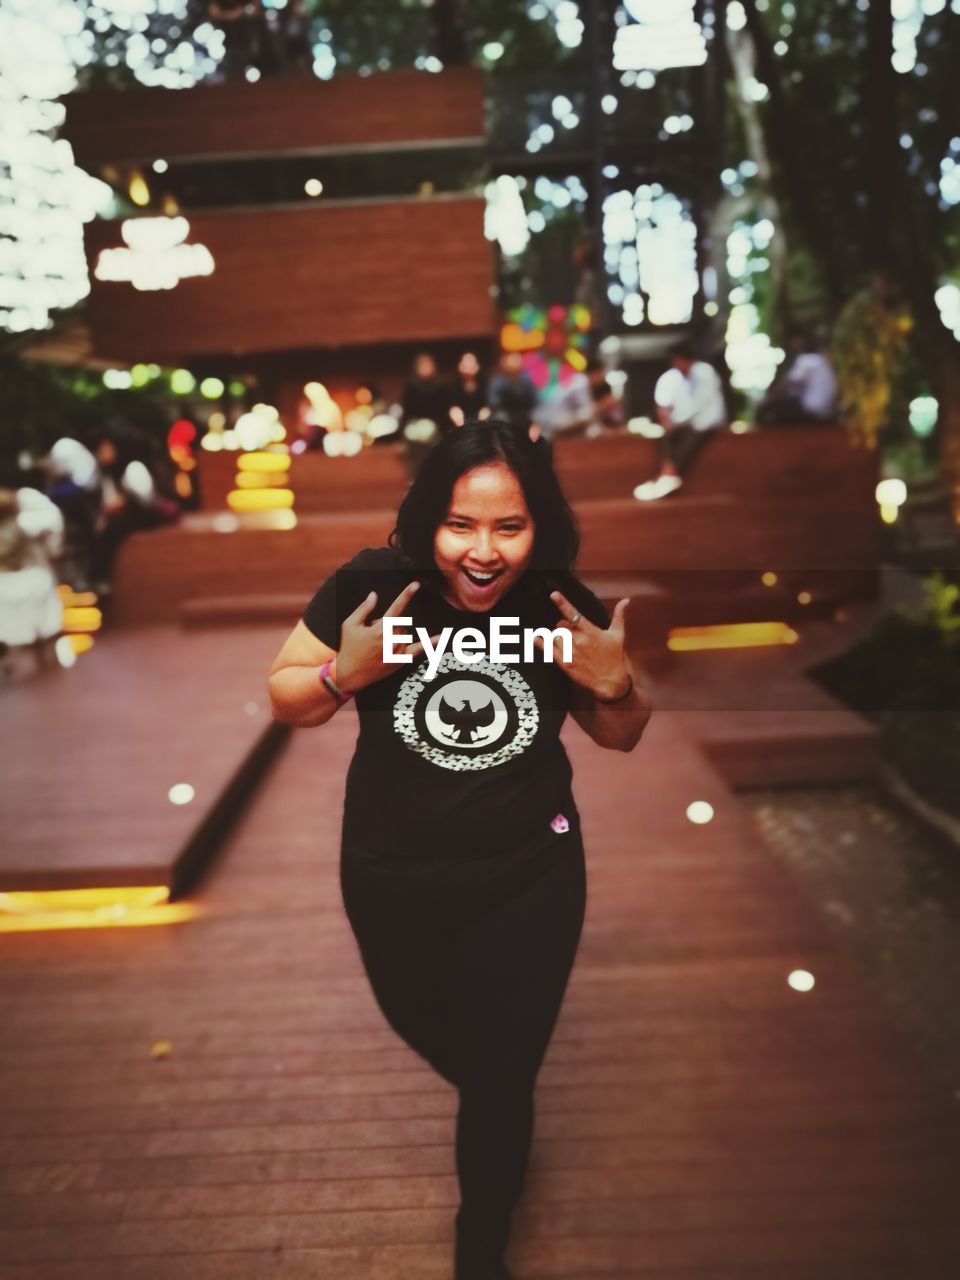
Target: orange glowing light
{"points": [[769, 579], [104, 908], [261, 480], [78, 599], [260, 499], [514, 338], [737, 635], [364, 395]]}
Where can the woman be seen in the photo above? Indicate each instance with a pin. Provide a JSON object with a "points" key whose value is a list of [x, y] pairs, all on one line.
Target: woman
{"points": [[462, 866], [469, 393]]}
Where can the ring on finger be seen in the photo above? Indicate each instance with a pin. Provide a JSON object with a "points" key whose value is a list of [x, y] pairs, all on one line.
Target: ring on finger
{"points": [[575, 620]]}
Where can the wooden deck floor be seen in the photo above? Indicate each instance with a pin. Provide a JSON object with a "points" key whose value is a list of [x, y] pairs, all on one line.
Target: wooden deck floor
{"points": [[93, 753], [697, 1118]]}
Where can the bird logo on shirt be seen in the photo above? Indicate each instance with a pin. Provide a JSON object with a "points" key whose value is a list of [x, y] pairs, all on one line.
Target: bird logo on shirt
{"points": [[471, 716], [464, 722]]}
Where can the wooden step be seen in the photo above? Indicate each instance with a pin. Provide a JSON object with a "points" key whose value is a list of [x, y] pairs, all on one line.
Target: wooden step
{"points": [[86, 793]]}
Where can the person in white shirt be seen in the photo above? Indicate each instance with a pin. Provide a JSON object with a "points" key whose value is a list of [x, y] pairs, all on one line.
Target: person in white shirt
{"points": [[690, 407], [806, 390]]}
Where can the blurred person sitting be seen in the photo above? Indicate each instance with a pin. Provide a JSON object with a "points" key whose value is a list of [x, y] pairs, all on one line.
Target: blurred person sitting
{"points": [[469, 392], [71, 479], [513, 394], [426, 396], [31, 541], [805, 390], [129, 501], [586, 403], [690, 408]]}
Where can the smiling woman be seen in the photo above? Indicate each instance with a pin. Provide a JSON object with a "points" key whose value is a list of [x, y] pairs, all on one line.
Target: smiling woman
{"points": [[462, 866]]}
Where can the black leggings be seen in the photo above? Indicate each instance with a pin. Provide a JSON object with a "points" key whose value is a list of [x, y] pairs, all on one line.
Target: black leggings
{"points": [[476, 991], [682, 443]]}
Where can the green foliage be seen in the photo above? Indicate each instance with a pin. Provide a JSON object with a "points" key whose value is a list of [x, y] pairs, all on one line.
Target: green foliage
{"points": [[907, 662], [941, 609], [364, 36], [905, 675], [40, 402], [870, 353]]}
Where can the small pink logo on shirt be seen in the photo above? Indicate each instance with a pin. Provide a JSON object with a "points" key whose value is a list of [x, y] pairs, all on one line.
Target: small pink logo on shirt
{"points": [[560, 824]]}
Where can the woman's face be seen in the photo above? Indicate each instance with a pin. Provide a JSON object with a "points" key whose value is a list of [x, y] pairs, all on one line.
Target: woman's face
{"points": [[485, 541]]}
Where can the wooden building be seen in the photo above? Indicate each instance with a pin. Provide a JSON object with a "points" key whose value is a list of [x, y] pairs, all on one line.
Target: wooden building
{"points": [[345, 220]]}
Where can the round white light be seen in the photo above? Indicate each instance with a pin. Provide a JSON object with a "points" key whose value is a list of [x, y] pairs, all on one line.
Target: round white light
{"points": [[66, 654], [313, 187], [700, 812], [891, 493], [382, 424], [181, 793], [800, 980]]}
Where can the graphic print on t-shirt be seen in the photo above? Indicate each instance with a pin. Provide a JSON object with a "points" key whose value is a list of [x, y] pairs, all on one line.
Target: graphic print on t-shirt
{"points": [[469, 716]]}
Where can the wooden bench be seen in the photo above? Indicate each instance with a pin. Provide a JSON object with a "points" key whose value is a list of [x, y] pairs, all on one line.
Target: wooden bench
{"points": [[374, 480]]}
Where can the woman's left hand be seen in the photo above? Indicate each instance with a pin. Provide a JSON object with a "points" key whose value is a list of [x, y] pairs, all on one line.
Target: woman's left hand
{"points": [[598, 656]]}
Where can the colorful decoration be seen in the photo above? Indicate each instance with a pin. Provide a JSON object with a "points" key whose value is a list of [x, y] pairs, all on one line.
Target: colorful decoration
{"points": [[554, 341]]}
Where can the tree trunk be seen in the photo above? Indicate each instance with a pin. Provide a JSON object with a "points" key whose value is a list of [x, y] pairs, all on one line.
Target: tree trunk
{"points": [[788, 146], [742, 53]]}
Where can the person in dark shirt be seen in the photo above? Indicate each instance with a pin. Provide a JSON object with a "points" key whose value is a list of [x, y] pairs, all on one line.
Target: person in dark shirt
{"points": [[513, 393], [469, 392], [426, 395], [462, 864]]}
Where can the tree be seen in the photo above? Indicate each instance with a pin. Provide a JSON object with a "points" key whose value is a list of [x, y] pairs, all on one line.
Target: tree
{"points": [[857, 126]]}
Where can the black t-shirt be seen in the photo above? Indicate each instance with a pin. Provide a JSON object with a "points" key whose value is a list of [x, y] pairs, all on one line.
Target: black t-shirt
{"points": [[455, 782]]}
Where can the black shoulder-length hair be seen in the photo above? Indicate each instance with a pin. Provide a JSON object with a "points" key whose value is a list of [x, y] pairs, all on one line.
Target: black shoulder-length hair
{"points": [[476, 444]]}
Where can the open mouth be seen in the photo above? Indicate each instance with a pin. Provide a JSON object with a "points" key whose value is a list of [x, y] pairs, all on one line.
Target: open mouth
{"points": [[482, 581]]}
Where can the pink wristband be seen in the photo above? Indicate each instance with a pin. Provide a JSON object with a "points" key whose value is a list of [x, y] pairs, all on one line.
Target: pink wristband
{"points": [[328, 682]]}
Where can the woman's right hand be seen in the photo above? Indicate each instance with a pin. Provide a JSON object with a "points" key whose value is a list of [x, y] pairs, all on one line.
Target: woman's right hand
{"points": [[360, 656]]}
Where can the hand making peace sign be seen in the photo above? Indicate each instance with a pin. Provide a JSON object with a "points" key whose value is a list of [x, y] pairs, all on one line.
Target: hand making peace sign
{"points": [[598, 660]]}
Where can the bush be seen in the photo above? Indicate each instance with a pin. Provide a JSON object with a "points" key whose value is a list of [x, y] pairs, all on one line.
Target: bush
{"points": [[905, 674]]}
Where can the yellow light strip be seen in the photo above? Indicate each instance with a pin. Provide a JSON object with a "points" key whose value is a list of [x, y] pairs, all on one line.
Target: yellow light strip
{"points": [[46, 900], [81, 619], [736, 635], [118, 917], [127, 906], [259, 499], [262, 461]]}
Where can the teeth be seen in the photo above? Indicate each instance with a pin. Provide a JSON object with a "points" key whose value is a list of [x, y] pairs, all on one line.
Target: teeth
{"points": [[480, 577]]}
